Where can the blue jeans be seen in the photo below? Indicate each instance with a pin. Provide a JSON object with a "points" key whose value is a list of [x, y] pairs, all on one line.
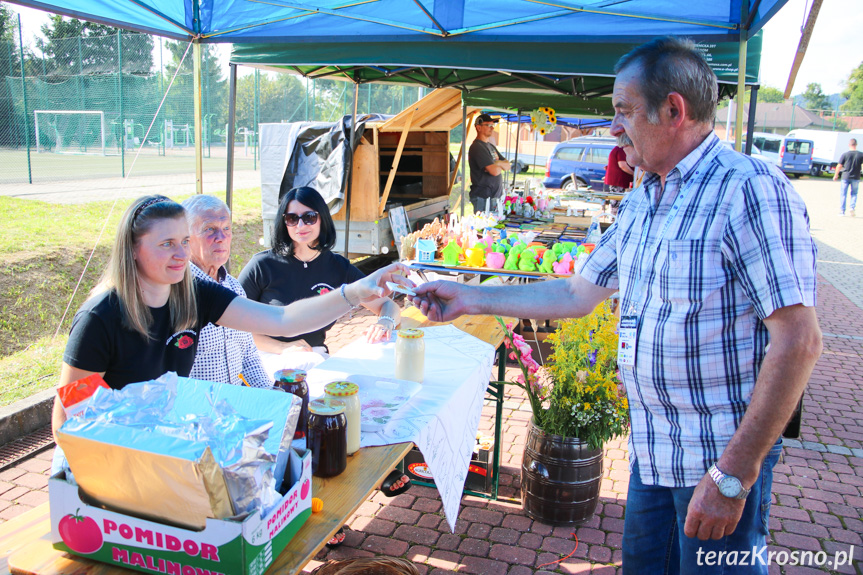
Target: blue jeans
{"points": [[653, 538], [846, 184]]}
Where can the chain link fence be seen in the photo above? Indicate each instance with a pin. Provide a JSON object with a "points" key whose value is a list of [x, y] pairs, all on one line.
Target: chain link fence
{"points": [[82, 108]]}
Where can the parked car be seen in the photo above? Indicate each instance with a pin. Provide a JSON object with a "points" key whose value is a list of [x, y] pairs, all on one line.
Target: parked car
{"points": [[827, 148], [578, 162]]}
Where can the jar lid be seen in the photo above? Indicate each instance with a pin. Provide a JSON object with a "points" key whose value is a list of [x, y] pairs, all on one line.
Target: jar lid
{"points": [[411, 333], [290, 375], [341, 388], [326, 406]]}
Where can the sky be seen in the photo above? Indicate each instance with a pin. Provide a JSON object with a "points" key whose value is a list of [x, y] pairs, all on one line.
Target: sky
{"points": [[835, 49]]}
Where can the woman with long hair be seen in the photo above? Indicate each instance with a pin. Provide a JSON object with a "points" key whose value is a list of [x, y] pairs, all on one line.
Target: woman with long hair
{"points": [[300, 265], [144, 317]]}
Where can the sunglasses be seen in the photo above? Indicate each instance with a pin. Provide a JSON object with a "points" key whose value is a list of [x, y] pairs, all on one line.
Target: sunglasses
{"points": [[309, 218]]}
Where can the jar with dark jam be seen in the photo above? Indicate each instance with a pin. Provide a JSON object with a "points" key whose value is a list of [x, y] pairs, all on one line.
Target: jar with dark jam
{"points": [[328, 437], [294, 381]]}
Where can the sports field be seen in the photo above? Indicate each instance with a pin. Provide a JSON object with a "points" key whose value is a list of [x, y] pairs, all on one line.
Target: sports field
{"points": [[49, 167]]}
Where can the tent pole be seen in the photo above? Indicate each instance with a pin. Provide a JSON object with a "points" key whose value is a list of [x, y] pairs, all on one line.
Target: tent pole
{"points": [[199, 166], [464, 156], [349, 171], [741, 77], [517, 138], [232, 120], [750, 124]]}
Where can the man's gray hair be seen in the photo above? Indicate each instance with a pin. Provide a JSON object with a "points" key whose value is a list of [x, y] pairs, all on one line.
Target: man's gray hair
{"points": [[200, 203], [673, 65]]}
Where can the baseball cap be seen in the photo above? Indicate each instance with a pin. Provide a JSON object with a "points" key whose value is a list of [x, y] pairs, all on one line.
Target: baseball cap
{"points": [[483, 118]]}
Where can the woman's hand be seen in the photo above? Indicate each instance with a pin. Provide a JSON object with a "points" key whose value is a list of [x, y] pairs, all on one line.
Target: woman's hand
{"points": [[382, 330], [374, 286]]}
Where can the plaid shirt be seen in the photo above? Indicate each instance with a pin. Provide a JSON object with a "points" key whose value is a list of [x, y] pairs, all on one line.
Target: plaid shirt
{"points": [[223, 353], [736, 249]]}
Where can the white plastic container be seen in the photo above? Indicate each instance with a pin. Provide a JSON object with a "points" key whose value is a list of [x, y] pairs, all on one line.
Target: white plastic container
{"points": [[410, 355], [348, 393]]}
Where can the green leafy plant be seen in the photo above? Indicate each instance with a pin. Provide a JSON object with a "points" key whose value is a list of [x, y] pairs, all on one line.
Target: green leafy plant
{"points": [[577, 392]]}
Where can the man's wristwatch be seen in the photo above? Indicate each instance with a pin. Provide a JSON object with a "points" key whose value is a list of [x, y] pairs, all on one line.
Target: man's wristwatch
{"points": [[728, 485]]}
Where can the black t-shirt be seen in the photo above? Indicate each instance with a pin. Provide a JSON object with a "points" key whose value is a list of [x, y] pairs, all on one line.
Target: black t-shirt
{"points": [[277, 280], [851, 161], [483, 184], [99, 342]]}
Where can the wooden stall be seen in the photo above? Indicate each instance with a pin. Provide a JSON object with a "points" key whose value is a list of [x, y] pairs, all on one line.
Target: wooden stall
{"points": [[403, 161]]}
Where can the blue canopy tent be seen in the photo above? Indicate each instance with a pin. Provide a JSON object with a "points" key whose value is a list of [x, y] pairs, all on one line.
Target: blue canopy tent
{"points": [[500, 53]]}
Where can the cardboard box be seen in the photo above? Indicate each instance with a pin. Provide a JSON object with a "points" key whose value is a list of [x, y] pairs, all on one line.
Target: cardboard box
{"points": [[479, 473], [227, 547]]}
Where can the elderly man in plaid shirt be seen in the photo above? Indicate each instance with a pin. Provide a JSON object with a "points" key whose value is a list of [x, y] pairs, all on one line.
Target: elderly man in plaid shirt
{"points": [[715, 267]]}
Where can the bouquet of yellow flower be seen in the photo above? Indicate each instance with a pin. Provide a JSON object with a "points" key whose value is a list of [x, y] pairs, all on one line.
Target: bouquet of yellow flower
{"points": [[581, 395]]}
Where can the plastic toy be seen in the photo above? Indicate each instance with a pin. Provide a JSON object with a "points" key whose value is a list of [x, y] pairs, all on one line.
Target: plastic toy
{"points": [[512, 260], [564, 265], [474, 257], [527, 261], [451, 253], [495, 260], [548, 261]]}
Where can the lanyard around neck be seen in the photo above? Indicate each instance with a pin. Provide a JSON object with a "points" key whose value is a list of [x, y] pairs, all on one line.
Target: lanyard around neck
{"points": [[639, 286]]}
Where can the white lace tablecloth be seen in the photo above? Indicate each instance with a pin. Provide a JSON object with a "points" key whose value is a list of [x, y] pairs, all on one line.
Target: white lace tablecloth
{"points": [[442, 419]]}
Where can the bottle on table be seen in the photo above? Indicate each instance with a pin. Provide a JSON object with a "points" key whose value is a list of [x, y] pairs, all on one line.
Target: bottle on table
{"points": [[348, 392], [294, 381], [410, 355], [328, 440]]}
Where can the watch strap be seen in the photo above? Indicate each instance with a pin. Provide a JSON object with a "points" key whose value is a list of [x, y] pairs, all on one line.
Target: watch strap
{"points": [[717, 475]]}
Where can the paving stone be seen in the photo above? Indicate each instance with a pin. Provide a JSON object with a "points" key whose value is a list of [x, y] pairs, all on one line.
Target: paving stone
{"points": [[448, 542], [857, 452], [479, 566], [399, 515], [474, 547], [416, 535], [530, 540], [33, 498], [384, 546], [429, 520], [599, 554], [501, 535], [797, 541], [478, 530], [520, 570], [445, 560], [512, 554], [475, 515], [811, 529], [841, 450], [517, 522]]}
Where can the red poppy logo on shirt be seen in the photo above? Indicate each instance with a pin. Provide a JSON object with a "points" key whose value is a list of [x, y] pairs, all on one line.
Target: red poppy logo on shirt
{"points": [[185, 342], [323, 290]]}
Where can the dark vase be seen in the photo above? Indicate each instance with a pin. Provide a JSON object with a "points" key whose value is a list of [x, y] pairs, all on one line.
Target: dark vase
{"points": [[560, 478]]}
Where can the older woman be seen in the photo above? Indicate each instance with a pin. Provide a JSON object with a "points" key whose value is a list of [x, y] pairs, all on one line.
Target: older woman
{"points": [[301, 265], [145, 316], [224, 355]]}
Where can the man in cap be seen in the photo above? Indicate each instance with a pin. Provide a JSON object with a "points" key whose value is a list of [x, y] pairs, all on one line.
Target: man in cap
{"points": [[487, 165]]}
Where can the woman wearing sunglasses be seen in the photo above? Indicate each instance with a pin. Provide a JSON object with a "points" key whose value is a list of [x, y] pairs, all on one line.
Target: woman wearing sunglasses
{"points": [[301, 265]]}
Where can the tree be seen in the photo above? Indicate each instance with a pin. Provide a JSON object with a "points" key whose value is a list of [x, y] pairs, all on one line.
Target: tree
{"points": [[179, 107], [8, 23], [770, 95], [854, 91], [73, 46], [814, 98]]}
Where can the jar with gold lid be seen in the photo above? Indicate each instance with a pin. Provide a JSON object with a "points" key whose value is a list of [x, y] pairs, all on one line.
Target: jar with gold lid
{"points": [[410, 355], [348, 392], [327, 438], [294, 381]]}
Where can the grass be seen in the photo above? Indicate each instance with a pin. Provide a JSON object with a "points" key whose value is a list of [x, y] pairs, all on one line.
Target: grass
{"points": [[37, 279]]}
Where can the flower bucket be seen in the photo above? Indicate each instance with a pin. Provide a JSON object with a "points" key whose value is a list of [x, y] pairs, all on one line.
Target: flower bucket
{"points": [[560, 478]]}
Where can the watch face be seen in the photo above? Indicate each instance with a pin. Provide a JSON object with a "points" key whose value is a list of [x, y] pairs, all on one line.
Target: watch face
{"points": [[730, 486]]}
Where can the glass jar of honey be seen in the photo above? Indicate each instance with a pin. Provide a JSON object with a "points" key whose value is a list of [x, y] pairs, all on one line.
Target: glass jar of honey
{"points": [[294, 381], [328, 440], [410, 355], [348, 392]]}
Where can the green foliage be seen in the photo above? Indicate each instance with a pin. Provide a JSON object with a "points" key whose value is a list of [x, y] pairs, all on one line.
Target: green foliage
{"points": [[814, 98], [771, 95], [854, 91], [583, 398], [73, 46], [8, 23]]}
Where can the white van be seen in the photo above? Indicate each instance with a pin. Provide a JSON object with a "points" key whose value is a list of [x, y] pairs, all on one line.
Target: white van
{"points": [[769, 144]]}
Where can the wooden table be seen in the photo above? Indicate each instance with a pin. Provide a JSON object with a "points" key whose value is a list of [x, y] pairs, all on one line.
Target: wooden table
{"points": [[25, 541]]}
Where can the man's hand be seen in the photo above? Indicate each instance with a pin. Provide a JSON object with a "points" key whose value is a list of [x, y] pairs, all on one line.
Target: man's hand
{"points": [[441, 300], [711, 515]]}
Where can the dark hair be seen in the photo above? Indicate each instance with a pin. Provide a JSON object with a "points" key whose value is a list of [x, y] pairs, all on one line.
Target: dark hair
{"points": [[282, 242], [673, 65]]}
